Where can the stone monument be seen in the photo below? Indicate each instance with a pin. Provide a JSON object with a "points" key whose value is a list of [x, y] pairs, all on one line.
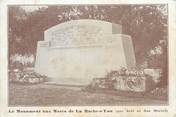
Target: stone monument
{"points": [[77, 51]]}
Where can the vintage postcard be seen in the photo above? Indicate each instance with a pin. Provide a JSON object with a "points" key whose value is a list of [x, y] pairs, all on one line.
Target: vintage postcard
{"points": [[88, 59]]}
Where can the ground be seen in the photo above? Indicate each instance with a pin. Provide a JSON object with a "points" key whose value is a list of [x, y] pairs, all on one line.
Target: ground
{"points": [[57, 95]]}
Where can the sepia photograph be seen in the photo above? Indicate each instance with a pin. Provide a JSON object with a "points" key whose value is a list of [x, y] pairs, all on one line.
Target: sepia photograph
{"points": [[88, 55]]}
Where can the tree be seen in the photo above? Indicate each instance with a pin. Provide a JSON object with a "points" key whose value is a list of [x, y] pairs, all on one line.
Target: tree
{"points": [[17, 18]]}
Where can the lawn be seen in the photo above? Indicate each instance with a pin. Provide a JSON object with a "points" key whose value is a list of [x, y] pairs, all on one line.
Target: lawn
{"points": [[57, 95]]}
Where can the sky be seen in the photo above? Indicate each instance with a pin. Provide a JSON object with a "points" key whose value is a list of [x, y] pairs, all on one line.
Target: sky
{"points": [[32, 8]]}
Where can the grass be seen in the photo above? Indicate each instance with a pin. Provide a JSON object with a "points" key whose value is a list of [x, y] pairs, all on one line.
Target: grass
{"points": [[54, 95]]}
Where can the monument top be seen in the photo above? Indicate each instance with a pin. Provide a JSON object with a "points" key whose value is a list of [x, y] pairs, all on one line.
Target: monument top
{"points": [[85, 31]]}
